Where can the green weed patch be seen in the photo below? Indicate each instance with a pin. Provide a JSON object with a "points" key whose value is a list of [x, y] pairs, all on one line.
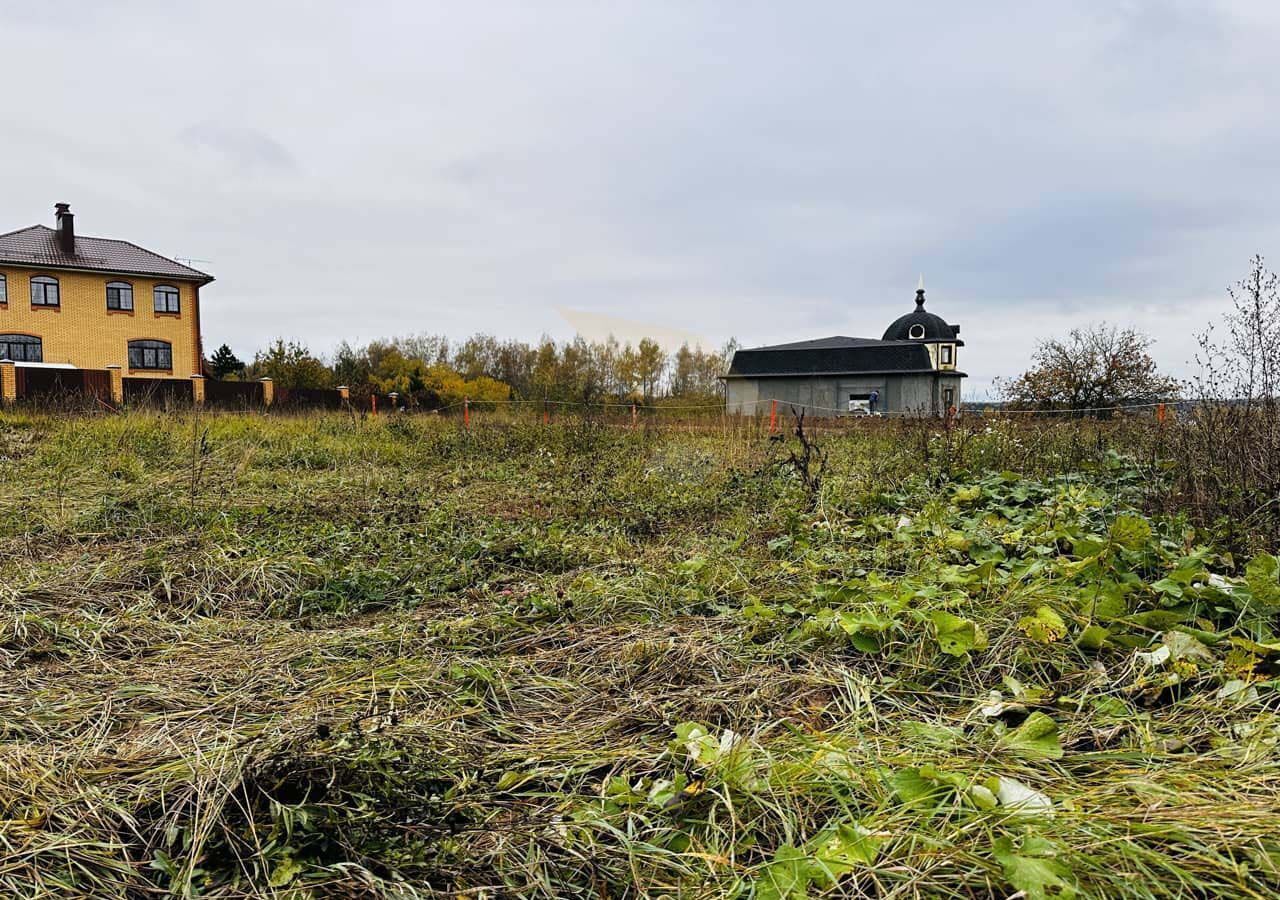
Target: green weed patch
{"points": [[342, 656]]}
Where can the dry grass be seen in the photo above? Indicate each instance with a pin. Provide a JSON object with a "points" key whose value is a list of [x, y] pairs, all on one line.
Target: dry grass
{"points": [[389, 659]]}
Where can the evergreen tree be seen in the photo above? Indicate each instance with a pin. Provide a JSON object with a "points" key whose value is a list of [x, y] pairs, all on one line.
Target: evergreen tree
{"points": [[224, 363]]}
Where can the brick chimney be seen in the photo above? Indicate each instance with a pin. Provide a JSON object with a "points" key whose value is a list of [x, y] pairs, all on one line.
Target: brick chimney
{"points": [[66, 228]]}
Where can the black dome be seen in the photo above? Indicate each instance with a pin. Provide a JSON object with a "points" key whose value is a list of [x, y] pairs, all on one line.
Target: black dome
{"points": [[921, 326]]}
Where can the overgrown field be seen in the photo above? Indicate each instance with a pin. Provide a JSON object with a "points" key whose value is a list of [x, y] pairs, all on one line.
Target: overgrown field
{"points": [[330, 656]]}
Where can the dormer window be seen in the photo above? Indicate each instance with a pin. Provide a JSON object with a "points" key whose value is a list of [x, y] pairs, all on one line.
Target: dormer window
{"points": [[916, 332], [120, 296], [948, 354]]}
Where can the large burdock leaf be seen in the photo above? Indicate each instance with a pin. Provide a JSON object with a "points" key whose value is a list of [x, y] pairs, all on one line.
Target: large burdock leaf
{"points": [[1130, 532], [835, 851], [1092, 638], [864, 627], [1045, 627], [915, 790], [956, 636], [729, 756], [285, 871], [925, 787], [697, 741], [1177, 648], [1021, 800], [1035, 738], [840, 849], [1262, 575], [1034, 868], [786, 877]]}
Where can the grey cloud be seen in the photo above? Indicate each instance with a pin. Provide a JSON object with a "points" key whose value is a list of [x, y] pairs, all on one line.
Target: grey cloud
{"points": [[245, 148], [769, 171]]}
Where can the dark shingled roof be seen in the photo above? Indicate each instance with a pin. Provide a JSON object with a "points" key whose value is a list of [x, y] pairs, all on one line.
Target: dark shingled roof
{"points": [[833, 355], [837, 342], [896, 354], [935, 328], [38, 248]]}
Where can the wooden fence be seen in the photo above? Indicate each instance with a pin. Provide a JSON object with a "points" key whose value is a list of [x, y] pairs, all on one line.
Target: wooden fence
{"points": [[58, 388], [293, 399], [233, 395], [63, 387], [158, 393]]}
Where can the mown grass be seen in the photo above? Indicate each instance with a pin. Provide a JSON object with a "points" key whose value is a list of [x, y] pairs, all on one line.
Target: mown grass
{"points": [[337, 656]]}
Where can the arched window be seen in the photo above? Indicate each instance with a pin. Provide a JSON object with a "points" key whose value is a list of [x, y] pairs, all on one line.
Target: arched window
{"points": [[21, 348], [150, 355], [120, 295], [4, 289], [44, 291], [166, 298]]}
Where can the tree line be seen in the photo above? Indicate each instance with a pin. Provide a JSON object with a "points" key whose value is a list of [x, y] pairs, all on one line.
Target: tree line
{"points": [[1093, 368], [431, 370]]}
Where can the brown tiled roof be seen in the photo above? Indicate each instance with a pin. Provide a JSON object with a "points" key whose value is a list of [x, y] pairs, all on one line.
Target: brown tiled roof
{"points": [[38, 247]]}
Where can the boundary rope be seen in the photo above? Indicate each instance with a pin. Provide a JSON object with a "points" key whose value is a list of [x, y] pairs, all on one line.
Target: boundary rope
{"points": [[787, 404]]}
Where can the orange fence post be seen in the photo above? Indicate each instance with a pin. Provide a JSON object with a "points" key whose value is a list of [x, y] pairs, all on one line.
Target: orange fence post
{"points": [[546, 413], [373, 404], [633, 415], [1160, 413], [773, 416], [9, 382]]}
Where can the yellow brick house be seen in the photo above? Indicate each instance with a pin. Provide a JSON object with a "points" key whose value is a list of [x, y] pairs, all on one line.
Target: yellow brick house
{"points": [[97, 303]]}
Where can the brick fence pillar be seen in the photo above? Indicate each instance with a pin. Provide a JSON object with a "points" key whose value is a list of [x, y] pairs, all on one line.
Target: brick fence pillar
{"points": [[117, 384], [197, 389], [8, 382], [268, 391]]}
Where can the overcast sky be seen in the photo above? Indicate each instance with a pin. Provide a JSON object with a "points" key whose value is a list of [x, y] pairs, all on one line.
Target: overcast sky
{"points": [[771, 171]]}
